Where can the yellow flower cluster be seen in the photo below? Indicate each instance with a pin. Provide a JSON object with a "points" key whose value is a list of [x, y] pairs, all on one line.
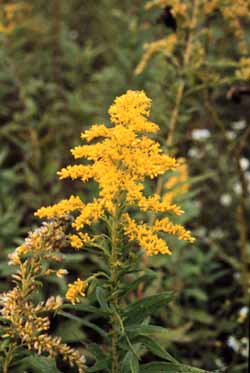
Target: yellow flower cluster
{"points": [[177, 184], [165, 46], [178, 6], [244, 70], [147, 236], [119, 162], [13, 14], [62, 209], [78, 241], [75, 290], [26, 318], [165, 225], [233, 12]]}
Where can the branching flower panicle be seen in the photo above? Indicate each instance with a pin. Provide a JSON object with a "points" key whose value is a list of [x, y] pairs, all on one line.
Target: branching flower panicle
{"points": [[120, 161], [119, 158], [26, 321], [232, 13]]}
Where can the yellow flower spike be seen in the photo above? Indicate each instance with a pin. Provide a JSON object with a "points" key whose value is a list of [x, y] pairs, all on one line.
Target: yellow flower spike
{"points": [[165, 45], [97, 130], [75, 290], [177, 185], [78, 241], [60, 209], [121, 158], [131, 110], [165, 225], [145, 236], [75, 241], [27, 323], [76, 171]]}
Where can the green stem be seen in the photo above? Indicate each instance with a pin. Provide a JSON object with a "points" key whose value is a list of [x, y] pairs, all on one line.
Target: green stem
{"points": [[8, 359], [114, 288]]}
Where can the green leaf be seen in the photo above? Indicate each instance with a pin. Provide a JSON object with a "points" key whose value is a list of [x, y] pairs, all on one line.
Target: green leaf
{"points": [[169, 368], [100, 366], [136, 330], [137, 311], [134, 363], [70, 331], [101, 296], [40, 364], [84, 322], [147, 278], [96, 351], [130, 363], [156, 348]]}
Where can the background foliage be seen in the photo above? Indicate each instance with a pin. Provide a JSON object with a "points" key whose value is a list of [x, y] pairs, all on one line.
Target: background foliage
{"points": [[61, 65]]}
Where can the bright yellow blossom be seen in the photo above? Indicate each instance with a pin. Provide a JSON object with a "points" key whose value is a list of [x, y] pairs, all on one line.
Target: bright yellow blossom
{"points": [[75, 290], [78, 241], [119, 163], [165, 225], [145, 236], [62, 208]]}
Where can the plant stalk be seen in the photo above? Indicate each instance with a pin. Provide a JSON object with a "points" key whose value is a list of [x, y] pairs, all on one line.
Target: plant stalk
{"points": [[180, 94], [114, 298], [8, 359]]}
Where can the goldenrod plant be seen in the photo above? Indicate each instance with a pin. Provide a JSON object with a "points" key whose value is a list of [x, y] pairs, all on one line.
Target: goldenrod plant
{"points": [[61, 64], [119, 158], [198, 60], [25, 321]]}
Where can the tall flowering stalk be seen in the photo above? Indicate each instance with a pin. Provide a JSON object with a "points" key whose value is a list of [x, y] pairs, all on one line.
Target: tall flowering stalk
{"points": [[26, 321], [119, 158], [196, 70]]}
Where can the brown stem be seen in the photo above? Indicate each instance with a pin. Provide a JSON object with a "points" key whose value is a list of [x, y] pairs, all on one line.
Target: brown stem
{"points": [[180, 93], [181, 88]]}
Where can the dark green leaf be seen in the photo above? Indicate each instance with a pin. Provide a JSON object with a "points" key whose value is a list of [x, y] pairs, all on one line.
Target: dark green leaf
{"points": [[100, 366], [169, 368], [156, 348], [101, 296], [137, 311], [40, 364], [136, 330]]}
